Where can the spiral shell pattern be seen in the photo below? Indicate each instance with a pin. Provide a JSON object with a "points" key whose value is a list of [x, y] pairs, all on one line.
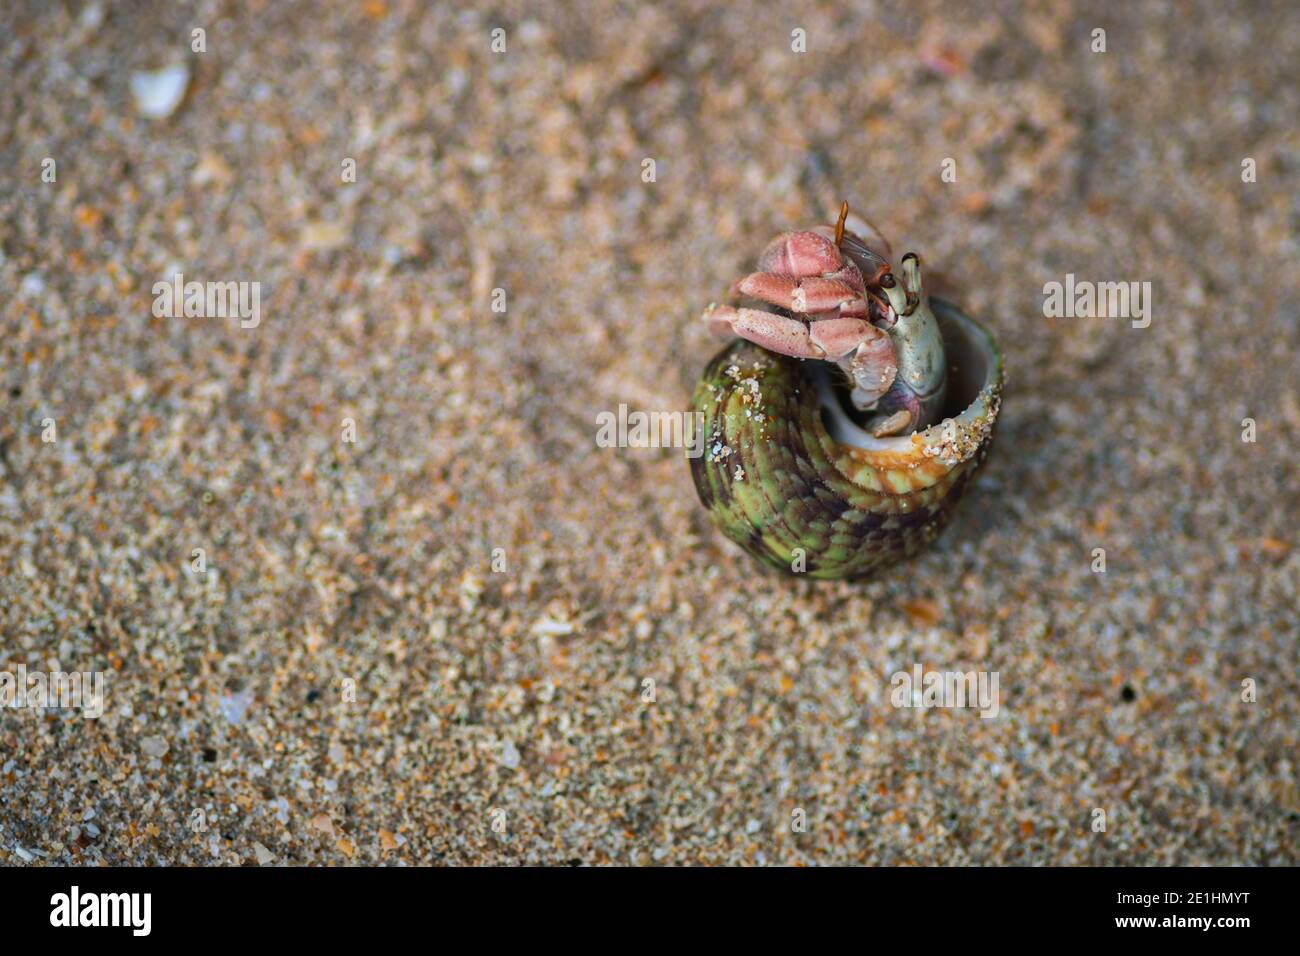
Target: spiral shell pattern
{"points": [[787, 476]]}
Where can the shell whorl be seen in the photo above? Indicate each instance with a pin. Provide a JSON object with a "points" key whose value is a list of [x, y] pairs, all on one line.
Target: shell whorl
{"points": [[775, 477]]}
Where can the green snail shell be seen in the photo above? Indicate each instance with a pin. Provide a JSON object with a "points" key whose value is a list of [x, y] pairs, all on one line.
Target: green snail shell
{"points": [[784, 468]]}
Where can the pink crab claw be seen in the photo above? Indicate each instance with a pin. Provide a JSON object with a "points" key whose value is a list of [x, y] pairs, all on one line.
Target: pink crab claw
{"points": [[873, 368], [808, 254], [838, 338]]}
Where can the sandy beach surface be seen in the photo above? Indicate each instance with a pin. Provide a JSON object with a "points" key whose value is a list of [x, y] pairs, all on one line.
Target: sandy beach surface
{"points": [[473, 636]]}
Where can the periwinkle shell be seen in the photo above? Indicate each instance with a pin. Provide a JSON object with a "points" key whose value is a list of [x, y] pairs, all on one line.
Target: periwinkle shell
{"points": [[788, 476]]}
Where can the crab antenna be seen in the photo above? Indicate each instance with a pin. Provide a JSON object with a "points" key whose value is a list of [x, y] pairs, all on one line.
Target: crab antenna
{"points": [[839, 226]]}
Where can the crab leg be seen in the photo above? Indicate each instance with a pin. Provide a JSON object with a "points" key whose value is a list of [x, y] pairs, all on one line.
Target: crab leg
{"points": [[851, 341], [798, 294], [777, 333], [803, 253]]}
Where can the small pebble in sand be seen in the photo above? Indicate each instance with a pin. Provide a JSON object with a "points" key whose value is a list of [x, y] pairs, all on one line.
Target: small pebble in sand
{"points": [[509, 755], [158, 93], [550, 627], [234, 706], [33, 285]]}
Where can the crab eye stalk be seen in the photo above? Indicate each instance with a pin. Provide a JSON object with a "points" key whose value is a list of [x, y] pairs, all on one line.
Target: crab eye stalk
{"points": [[912, 280]]}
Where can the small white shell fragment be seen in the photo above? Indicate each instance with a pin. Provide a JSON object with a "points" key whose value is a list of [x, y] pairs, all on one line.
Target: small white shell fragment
{"points": [[509, 755], [322, 236], [234, 706], [33, 285], [92, 17], [550, 627], [157, 94], [264, 856]]}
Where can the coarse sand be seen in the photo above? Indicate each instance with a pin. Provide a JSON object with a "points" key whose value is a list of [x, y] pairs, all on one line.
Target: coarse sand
{"points": [[473, 636]]}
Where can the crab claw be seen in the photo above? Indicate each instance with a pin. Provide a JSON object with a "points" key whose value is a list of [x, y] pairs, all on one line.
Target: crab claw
{"points": [[803, 253], [841, 338], [873, 367], [798, 294]]}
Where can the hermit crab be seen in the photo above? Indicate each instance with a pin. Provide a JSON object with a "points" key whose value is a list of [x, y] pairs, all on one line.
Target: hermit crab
{"points": [[843, 425]]}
